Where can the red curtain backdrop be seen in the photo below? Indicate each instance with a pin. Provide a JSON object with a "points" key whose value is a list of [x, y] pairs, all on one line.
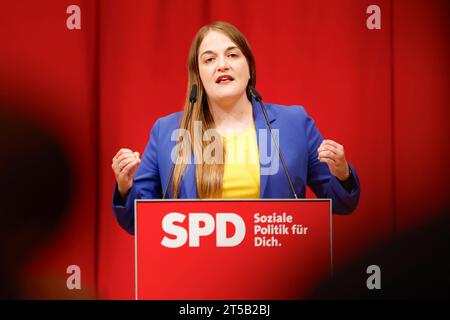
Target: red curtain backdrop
{"points": [[383, 94], [49, 74]]}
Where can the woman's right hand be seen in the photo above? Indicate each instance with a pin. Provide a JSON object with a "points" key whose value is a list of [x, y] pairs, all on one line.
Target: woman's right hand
{"points": [[124, 165]]}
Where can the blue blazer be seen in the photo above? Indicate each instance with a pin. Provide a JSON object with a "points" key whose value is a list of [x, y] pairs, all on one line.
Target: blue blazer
{"points": [[299, 140]]}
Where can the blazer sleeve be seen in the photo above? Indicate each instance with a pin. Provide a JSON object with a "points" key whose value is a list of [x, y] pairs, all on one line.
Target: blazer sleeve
{"points": [[146, 184], [322, 182]]}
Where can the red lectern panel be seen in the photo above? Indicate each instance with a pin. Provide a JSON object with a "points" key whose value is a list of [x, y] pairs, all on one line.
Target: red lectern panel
{"points": [[231, 249]]}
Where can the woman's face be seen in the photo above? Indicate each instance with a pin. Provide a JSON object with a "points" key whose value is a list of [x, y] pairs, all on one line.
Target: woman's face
{"points": [[223, 68]]}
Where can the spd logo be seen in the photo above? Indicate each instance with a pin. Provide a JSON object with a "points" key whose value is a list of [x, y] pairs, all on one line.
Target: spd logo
{"points": [[202, 225]]}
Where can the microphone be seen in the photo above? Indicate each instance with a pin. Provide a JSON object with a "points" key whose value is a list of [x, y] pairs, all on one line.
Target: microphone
{"points": [[192, 100], [258, 98], [193, 95]]}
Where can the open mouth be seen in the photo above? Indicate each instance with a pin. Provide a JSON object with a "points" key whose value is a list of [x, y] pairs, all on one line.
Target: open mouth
{"points": [[224, 79]]}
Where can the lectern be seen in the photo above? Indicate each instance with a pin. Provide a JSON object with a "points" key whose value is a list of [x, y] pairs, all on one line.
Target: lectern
{"points": [[260, 249]]}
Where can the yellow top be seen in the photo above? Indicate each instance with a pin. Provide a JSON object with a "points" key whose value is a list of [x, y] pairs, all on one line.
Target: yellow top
{"points": [[241, 172]]}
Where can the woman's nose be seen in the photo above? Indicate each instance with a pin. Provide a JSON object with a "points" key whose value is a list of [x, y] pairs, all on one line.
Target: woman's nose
{"points": [[222, 64]]}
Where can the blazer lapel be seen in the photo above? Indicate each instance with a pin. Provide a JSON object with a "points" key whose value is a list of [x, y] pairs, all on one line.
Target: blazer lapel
{"points": [[263, 137]]}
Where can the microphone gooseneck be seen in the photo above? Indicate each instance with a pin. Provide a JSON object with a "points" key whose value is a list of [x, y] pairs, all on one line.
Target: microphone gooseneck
{"points": [[192, 100], [258, 98]]}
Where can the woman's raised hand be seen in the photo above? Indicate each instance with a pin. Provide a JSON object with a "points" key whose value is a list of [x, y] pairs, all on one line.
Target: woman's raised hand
{"points": [[124, 165]]}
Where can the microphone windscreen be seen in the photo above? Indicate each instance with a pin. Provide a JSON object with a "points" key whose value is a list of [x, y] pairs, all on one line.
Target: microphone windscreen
{"points": [[254, 93], [193, 95]]}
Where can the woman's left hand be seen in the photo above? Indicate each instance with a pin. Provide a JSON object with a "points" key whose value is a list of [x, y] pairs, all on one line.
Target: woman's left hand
{"points": [[332, 153]]}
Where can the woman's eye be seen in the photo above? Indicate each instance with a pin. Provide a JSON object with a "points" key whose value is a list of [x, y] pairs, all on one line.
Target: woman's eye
{"points": [[209, 60], [233, 55]]}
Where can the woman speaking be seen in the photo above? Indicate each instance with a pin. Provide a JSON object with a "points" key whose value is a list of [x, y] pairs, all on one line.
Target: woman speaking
{"points": [[227, 144]]}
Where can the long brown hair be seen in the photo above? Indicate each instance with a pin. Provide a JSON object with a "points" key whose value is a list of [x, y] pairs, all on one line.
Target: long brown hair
{"points": [[209, 176]]}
